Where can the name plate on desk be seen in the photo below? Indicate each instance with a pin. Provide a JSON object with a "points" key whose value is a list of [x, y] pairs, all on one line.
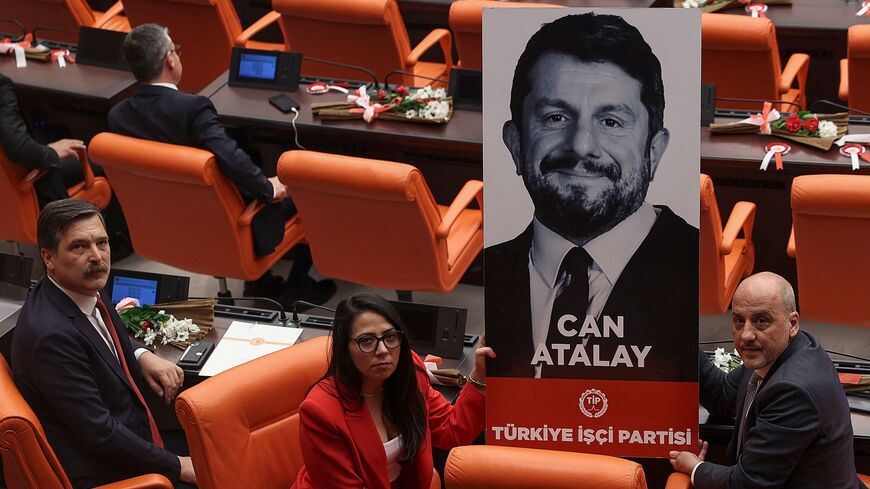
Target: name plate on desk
{"points": [[244, 342]]}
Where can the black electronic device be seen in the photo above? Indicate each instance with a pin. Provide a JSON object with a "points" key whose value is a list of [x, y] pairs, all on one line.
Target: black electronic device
{"points": [[195, 355], [436, 330], [466, 88], [15, 273], [708, 104], [101, 47], [148, 288], [283, 103], [256, 68]]}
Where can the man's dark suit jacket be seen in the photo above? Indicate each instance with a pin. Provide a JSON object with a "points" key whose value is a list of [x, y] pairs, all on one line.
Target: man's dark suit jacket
{"points": [[78, 390], [657, 293], [798, 432], [169, 116], [22, 149]]}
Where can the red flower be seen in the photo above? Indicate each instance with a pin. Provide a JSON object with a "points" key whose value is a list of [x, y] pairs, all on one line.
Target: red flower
{"points": [[382, 95], [402, 90], [811, 124], [146, 325], [793, 123]]}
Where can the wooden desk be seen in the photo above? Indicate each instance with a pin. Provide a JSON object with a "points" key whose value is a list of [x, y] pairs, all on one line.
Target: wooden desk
{"points": [[78, 97], [817, 28], [448, 154], [733, 161]]}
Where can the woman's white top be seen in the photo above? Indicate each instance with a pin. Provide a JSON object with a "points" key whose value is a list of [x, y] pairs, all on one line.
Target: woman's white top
{"points": [[393, 449]]}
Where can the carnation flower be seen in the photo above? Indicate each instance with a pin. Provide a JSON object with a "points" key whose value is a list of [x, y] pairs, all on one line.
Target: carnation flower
{"points": [[827, 129], [793, 123], [811, 124], [726, 361]]}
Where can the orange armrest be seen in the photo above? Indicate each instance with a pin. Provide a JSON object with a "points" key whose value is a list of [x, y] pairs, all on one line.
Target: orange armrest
{"points": [[250, 211], [32, 176], [86, 168], [113, 11], [473, 189], [678, 481], [256, 27], [742, 217], [147, 481], [844, 80], [441, 36], [797, 66], [792, 248]]}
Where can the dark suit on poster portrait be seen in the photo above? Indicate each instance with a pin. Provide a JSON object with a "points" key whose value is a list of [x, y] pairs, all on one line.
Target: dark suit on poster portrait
{"points": [[798, 431], [656, 291], [160, 113], [91, 415]]}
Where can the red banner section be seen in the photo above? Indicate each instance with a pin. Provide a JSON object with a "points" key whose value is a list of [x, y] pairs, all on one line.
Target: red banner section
{"points": [[608, 417]]}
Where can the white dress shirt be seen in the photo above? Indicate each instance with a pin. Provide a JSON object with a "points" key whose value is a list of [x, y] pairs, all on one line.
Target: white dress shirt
{"points": [[610, 253], [88, 306]]}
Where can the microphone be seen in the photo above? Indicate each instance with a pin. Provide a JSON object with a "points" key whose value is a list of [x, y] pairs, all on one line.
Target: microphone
{"points": [[733, 99], [839, 106], [400, 72], [294, 321], [713, 342], [345, 65], [49, 43], [282, 314], [16, 24]]}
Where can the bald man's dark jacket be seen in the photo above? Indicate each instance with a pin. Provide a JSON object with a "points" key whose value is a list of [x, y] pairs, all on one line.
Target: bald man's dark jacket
{"points": [[798, 432]]}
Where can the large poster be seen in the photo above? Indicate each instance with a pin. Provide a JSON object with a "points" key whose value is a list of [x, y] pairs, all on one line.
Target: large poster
{"points": [[591, 161]]}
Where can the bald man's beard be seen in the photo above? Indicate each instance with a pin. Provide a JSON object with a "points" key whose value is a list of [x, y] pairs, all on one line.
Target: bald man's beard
{"points": [[568, 209]]}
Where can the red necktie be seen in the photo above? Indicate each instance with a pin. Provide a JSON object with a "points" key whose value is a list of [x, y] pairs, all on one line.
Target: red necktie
{"points": [[101, 306]]}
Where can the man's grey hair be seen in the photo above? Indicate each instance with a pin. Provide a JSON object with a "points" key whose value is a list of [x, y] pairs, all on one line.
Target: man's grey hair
{"points": [[144, 49]]}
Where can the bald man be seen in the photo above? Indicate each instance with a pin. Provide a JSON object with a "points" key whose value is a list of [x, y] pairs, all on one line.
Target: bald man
{"points": [[793, 428]]}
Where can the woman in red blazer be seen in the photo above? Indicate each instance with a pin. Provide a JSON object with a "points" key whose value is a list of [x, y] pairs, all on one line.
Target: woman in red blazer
{"points": [[372, 420]]}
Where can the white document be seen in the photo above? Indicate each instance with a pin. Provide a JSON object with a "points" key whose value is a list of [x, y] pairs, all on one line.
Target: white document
{"points": [[244, 342]]}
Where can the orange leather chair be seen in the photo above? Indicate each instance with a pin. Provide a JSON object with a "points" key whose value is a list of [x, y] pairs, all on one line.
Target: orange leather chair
{"points": [[182, 211], [466, 19], [376, 223], [28, 460], [242, 425], [67, 15], [740, 55], [488, 466], [855, 71], [865, 479], [21, 207], [831, 227], [725, 258], [368, 33], [207, 30]]}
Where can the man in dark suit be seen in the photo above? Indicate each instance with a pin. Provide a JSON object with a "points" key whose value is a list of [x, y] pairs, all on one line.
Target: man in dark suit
{"points": [[598, 268], [59, 159], [73, 362], [793, 427], [159, 111]]}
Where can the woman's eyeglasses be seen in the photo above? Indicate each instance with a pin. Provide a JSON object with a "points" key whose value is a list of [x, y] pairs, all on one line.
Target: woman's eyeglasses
{"points": [[368, 343]]}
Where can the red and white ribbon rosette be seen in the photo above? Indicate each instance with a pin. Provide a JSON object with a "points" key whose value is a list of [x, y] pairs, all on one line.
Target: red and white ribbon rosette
{"points": [[853, 151], [774, 151], [756, 10], [768, 114], [61, 56], [865, 9]]}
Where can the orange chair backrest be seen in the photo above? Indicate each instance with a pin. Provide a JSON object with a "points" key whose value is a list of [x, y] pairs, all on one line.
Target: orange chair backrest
{"points": [[28, 460], [368, 33], [712, 262], [180, 209], [368, 221], [21, 208], [859, 67], [242, 426], [831, 217], [466, 19], [740, 55], [486, 466], [67, 15], [206, 30]]}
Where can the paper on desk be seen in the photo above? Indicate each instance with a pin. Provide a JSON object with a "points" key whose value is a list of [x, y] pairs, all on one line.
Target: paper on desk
{"points": [[244, 342]]}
